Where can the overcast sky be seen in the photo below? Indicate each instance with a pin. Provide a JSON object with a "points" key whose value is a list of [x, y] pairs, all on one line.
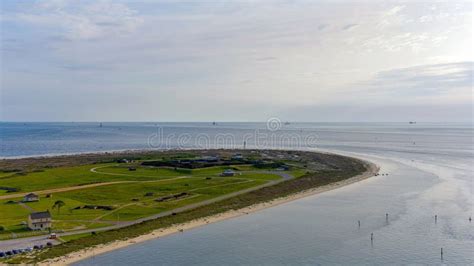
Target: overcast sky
{"points": [[236, 61]]}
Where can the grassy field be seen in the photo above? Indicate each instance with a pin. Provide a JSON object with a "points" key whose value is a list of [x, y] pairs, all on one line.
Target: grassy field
{"points": [[128, 201]]}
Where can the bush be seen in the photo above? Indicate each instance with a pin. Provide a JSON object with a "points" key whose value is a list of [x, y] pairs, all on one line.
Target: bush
{"points": [[2, 228]]}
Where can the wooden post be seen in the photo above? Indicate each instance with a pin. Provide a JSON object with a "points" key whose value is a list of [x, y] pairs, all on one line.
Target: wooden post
{"points": [[441, 253]]}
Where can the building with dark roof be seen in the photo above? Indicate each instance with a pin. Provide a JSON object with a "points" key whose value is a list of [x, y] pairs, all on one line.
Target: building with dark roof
{"points": [[39, 220], [228, 172], [31, 197]]}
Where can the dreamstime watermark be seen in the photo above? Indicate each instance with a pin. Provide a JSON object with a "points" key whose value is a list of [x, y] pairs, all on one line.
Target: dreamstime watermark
{"points": [[274, 136], [273, 124]]}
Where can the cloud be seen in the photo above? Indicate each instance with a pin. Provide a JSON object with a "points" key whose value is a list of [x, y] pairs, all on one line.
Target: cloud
{"points": [[349, 26], [322, 26], [394, 10], [381, 112], [266, 58], [427, 79], [272, 54], [85, 21]]}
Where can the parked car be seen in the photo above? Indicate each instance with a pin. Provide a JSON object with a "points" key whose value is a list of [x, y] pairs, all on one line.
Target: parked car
{"points": [[15, 251], [29, 249], [2, 254], [36, 247], [49, 244], [8, 253]]}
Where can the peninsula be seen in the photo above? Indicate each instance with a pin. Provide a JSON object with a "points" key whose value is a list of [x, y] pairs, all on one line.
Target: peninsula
{"points": [[65, 208]]}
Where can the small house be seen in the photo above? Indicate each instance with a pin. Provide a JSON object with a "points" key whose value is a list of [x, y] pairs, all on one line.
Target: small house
{"points": [[39, 220], [228, 172], [237, 157], [32, 197], [210, 159], [283, 168]]}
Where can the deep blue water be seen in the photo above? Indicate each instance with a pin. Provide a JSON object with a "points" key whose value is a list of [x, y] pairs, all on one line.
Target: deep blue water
{"points": [[430, 170]]}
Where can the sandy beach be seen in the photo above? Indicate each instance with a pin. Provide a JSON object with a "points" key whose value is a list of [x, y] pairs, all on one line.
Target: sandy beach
{"points": [[178, 228]]}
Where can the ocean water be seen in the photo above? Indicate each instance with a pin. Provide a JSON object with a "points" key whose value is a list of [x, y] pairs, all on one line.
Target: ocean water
{"points": [[430, 172]]}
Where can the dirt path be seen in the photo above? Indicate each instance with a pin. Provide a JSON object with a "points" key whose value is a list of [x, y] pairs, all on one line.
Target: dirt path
{"points": [[56, 190], [26, 206], [94, 170]]}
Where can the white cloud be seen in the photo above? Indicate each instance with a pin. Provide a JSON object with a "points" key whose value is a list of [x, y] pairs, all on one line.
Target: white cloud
{"points": [[441, 83], [196, 55], [86, 21]]}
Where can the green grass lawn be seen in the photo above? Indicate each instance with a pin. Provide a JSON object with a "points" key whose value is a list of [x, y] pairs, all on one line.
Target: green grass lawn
{"points": [[128, 200], [82, 175], [57, 178], [73, 237], [298, 172], [11, 217], [6, 174], [141, 173]]}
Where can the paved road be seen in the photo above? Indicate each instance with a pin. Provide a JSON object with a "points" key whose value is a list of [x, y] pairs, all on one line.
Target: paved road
{"points": [[36, 240], [26, 242]]}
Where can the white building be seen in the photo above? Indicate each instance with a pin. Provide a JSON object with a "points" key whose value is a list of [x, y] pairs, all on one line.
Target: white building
{"points": [[39, 220], [31, 197]]}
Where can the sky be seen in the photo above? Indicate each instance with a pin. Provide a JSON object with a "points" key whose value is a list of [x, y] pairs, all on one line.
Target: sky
{"points": [[341, 61]]}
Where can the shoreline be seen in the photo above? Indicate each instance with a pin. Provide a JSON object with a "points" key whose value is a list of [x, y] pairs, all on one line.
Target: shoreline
{"points": [[372, 169], [98, 152]]}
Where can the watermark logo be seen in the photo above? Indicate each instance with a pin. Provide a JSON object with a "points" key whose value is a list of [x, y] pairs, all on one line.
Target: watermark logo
{"points": [[214, 137], [273, 124]]}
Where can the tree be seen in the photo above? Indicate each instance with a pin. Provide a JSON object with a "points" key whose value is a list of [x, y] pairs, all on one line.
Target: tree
{"points": [[58, 204]]}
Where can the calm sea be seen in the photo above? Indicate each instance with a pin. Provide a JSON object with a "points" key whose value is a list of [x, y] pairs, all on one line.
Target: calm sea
{"points": [[430, 169]]}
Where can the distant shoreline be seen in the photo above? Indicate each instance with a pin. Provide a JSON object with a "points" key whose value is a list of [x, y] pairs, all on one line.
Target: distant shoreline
{"points": [[372, 170], [117, 151]]}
